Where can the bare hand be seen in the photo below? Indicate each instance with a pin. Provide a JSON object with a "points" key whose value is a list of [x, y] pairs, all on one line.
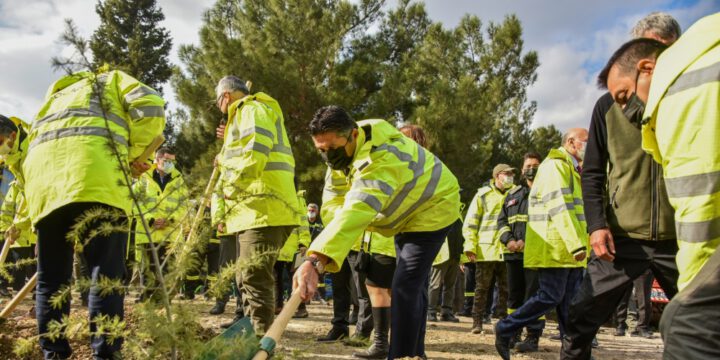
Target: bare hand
{"points": [[603, 244], [470, 255], [220, 131], [221, 228], [512, 245], [462, 269], [137, 168], [306, 280], [580, 256], [520, 245]]}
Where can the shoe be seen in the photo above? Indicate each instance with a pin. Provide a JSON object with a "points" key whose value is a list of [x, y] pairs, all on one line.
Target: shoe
{"points": [[594, 343], [642, 333], [487, 319], [335, 334], [516, 339], [380, 346], [530, 344], [301, 314], [231, 323], [218, 309], [115, 356], [502, 345], [477, 325], [465, 313], [448, 318], [619, 331], [432, 317], [356, 340]]}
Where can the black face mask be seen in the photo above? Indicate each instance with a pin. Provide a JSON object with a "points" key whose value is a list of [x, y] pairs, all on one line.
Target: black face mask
{"points": [[529, 173], [337, 159], [634, 109]]}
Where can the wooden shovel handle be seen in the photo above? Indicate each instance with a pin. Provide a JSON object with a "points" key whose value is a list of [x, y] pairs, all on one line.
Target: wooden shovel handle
{"points": [[19, 297], [281, 321]]}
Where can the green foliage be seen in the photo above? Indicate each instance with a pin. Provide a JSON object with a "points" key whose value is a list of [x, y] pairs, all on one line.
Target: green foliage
{"points": [[466, 86], [129, 38]]}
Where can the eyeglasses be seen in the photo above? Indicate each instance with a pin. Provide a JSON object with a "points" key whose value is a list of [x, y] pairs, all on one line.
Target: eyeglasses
{"points": [[219, 98]]}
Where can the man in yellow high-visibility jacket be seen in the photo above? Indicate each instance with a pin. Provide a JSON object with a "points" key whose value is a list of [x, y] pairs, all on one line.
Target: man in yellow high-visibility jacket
{"points": [[676, 92], [556, 241], [90, 127], [257, 170], [397, 188]]}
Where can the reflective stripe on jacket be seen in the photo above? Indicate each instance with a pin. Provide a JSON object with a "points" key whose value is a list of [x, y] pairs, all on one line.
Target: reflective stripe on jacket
{"points": [[480, 229], [682, 132], [556, 220], [70, 159], [257, 166], [170, 204], [395, 186]]}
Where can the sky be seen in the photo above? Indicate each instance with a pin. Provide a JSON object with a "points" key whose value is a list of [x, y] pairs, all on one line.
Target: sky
{"points": [[573, 38]]}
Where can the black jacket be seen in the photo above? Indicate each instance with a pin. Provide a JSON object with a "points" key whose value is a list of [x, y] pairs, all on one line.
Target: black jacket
{"points": [[513, 218]]}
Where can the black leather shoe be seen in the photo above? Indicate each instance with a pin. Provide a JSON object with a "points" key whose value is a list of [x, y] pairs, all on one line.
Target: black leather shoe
{"points": [[502, 345], [218, 309], [449, 318], [432, 317], [642, 333], [335, 334]]}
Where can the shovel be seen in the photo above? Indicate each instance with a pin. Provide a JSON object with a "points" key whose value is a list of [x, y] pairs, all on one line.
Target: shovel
{"points": [[242, 331]]}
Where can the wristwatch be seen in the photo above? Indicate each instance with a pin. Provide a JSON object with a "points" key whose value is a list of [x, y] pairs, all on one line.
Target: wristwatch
{"points": [[316, 263]]}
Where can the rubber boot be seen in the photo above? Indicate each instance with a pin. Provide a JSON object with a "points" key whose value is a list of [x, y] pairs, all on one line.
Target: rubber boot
{"points": [[380, 347], [477, 324]]}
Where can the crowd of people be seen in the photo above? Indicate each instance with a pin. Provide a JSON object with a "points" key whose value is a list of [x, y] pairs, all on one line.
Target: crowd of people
{"points": [[631, 199]]}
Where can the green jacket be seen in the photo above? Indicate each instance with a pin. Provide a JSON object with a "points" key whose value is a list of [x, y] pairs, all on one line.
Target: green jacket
{"points": [[257, 166], [69, 159], [395, 186], [556, 220], [681, 133], [480, 229]]}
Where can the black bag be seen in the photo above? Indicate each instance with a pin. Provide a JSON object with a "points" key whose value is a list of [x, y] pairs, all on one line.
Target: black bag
{"points": [[362, 262]]}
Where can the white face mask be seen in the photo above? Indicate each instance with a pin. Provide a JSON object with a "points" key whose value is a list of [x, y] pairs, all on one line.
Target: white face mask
{"points": [[168, 166], [311, 215], [508, 182]]}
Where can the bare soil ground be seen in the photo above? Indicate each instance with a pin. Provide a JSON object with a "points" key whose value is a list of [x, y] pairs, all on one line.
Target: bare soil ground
{"points": [[444, 340]]}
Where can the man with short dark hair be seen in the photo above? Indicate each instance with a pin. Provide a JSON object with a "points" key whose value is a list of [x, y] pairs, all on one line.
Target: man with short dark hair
{"points": [[396, 188], [630, 220]]}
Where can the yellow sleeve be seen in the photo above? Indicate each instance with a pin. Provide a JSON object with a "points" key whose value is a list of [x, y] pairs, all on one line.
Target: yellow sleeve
{"points": [[471, 225], [558, 200], [146, 110]]}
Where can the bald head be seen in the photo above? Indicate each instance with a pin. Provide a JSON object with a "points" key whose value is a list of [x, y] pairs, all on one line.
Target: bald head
{"points": [[575, 141]]}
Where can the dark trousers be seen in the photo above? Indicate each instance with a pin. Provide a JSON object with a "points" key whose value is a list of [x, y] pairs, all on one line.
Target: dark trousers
{"points": [[690, 324], [415, 255], [212, 257], [228, 255], [522, 284], [342, 282], [556, 287], [21, 274], [459, 297], [104, 256], [605, 283], [442, 287], [469, 287], [282, 271], [486, 275], [643, 290]]}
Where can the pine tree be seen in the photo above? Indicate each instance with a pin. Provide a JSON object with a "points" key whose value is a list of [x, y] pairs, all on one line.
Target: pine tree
{"points": [[129, 38]]}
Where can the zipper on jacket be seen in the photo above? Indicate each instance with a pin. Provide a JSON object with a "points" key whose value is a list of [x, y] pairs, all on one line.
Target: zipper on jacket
{"points": [[654, 212], [612, 199]]}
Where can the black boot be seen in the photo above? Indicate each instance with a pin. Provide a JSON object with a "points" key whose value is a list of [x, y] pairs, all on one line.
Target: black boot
{"points": [[530, 344], [335, 334], [380, 347], [218, 309]]}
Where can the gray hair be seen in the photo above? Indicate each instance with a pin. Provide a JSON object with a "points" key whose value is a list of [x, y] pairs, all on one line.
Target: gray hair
{"points": [[659, 23], [7, 126], [231, 83]]}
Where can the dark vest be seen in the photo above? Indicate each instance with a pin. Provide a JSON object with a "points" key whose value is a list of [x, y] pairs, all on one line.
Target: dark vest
{"points": [[638, 205]]}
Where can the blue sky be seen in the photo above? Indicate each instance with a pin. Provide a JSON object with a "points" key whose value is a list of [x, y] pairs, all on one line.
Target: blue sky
{"points": [[573, 38]]}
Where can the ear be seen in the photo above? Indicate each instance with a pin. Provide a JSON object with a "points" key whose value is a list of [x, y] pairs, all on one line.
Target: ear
{"points": [[646, 66], [355, 134]]}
